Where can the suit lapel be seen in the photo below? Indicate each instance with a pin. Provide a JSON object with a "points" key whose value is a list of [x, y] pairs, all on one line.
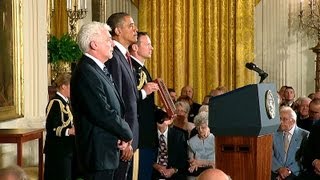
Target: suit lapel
{"points": [[124, 61], [100, 71], [280, 143], [293, 143]]}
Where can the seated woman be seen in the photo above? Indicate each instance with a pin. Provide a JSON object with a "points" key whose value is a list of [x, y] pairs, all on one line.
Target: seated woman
{"points": [[201, 147], [181, 120]]}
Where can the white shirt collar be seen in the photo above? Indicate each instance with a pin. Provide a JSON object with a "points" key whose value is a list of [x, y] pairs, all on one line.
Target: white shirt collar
{"points": [[165, 133], [137, 60], [99, 63], [64, 98], [292, 130], [122, 49]]}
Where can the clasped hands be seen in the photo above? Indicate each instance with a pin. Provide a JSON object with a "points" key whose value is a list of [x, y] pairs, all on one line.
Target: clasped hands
{"points": [[126, 150], [196, 163], [316, 165], [283, 173], [164, 171]]}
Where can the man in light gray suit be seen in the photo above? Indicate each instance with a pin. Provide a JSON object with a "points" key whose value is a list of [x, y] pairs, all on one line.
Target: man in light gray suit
{"points": [[286, 144]]}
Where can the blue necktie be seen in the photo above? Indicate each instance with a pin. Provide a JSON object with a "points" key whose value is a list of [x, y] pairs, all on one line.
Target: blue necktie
{"points": [[106, 72]]}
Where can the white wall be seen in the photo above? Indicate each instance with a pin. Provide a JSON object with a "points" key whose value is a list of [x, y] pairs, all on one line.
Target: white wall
{"points": [[280, 48], [34, 31]]}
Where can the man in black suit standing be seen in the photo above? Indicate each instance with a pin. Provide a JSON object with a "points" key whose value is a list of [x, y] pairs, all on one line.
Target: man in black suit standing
{"points": [[98, 107], [124, 33], [140, 51]]}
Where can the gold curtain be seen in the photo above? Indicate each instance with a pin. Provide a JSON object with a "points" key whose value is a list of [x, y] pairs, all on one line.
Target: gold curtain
{"points": [[59, 19], [202, 43]]}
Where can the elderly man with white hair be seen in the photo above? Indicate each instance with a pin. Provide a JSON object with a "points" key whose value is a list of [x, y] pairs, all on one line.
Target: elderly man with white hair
{"points": [[286, 143]]}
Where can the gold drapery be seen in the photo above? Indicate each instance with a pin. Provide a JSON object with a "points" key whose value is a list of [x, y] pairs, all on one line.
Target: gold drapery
{"points": [[203, 43], [59, 19]]}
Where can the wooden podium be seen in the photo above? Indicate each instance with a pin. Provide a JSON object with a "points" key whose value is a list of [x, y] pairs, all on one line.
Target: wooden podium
{"points": [[243, 121]]}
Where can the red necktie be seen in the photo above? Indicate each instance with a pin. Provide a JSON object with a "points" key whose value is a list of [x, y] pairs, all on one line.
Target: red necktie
{"points": [[129, 59]]}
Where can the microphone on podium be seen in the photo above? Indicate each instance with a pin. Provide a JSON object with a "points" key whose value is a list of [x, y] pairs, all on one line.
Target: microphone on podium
{"points": [[263, 75]]}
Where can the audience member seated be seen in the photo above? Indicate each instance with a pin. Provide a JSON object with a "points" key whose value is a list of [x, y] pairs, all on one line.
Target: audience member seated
{"points": [[289, 96], [194, 107], [181, 120], [206, 99], [312, 151], [171, 160], [316, 95], [13, 173], [204, 108], [311, 96], [201, 147], [302, 110], [218, 91], [173, 94], [213, 174], [286, 143], [314, 115], [281, 92]]}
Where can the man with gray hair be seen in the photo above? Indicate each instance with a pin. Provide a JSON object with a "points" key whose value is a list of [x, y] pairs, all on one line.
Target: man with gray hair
{"points": [[101, 130], [286, 143], [13, 173]]}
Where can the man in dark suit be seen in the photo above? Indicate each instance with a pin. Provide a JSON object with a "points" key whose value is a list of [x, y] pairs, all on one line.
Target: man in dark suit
{"points": [[140, 51], [194, 107], [312, 151], [171, 161], [97, 105], [124, 33]]}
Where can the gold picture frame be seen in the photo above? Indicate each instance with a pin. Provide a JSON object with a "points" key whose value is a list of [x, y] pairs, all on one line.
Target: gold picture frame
{"points": [[11, 48]]}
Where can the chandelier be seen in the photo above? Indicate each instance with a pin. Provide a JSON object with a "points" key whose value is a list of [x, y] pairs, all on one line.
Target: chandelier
{"points": [[309, 15]]}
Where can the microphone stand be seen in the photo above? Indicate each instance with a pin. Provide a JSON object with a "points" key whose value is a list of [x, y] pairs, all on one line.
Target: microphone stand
{"points": [[263, 76]]}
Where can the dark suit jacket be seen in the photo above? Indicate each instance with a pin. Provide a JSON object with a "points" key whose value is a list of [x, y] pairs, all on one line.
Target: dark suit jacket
{"points": [[146, 112], [194, 110], [125, 81], [57, 143], [305, 123], [312, 149], [177, 154], [99, 112]]}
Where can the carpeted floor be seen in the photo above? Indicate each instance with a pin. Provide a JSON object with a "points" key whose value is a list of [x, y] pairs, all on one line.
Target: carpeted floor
{"points": [[32, 172]]}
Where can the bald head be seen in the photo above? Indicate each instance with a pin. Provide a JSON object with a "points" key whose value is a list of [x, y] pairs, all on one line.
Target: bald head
{"points": [[213, 174]]}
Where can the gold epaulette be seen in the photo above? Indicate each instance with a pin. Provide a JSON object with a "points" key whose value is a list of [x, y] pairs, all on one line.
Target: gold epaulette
{"points": [[64, 110], [142, 80]]}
